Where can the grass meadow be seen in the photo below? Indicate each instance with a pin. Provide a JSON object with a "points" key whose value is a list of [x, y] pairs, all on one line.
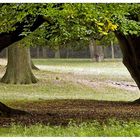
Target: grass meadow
{"points": [[74, 79]]}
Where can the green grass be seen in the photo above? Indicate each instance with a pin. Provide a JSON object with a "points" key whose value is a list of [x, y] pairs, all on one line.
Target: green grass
{"points": [[54, 85], [60, 85], [112, 128], [57, 89], [106, 69], [78, 62]]}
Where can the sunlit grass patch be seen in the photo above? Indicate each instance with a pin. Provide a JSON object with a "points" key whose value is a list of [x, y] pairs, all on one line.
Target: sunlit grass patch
{"points": [[59, 89], [107, 68], [111, 128]]}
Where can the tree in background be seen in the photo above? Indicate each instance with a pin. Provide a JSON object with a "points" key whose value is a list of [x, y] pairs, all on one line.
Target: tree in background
{"points": [[109, 40]]}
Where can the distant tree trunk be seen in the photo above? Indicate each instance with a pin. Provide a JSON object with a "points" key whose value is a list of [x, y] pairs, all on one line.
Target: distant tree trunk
{"points": [[44, 52], [57, 53], [19, 66], [91, 49], [68, 49], [37, 52], [98, 52], [67, 52], [112, 50]]}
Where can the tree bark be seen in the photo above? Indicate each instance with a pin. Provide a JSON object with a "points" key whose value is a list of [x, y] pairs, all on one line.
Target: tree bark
{"points": [[130, 46], [19, 66], [112, 50]]}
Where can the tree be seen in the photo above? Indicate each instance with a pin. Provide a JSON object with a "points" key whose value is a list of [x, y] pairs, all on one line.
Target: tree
{"points": [[124, 20], [91, 49], [129, 38], [84, 20], [94, 20], [96, 52], [109, 40], [17, 72]]}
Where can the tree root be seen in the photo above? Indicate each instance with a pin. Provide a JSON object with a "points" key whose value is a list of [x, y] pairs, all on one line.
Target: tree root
{"points": [[9, 112], [33, 66]]}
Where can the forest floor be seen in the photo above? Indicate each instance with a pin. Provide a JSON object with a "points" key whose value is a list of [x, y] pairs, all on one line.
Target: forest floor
{"points": [[82, 91]]}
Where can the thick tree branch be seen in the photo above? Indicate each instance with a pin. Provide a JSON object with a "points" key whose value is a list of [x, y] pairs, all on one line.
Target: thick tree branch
{"points": [[11, 37]]}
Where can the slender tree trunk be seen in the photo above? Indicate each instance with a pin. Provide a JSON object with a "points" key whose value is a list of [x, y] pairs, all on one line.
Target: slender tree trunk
{"points": [[91, 49], [57, 53], [67, 52], [98, 52], [130, 46], [68, 49], [19, 66], [37, 52], [112, 50], [44, 52]]}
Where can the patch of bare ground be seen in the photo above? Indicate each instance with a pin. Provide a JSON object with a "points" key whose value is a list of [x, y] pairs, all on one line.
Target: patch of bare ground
{"points": [[130, 86], [61, 112], [123, 85]]}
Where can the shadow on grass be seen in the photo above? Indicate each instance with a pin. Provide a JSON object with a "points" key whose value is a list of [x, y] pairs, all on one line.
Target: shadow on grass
{"points": [[61, 112]]}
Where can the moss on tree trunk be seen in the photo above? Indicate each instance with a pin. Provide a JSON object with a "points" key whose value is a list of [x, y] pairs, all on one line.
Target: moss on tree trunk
{"points": [[19, 66]]}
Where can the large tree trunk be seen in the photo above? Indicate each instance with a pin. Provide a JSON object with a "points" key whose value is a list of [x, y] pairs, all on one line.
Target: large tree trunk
{"points": [[130, 46], [19, 66]]}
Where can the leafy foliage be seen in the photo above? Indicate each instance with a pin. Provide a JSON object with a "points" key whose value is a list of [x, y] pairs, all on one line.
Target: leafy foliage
{"points": [[73, 21]]}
